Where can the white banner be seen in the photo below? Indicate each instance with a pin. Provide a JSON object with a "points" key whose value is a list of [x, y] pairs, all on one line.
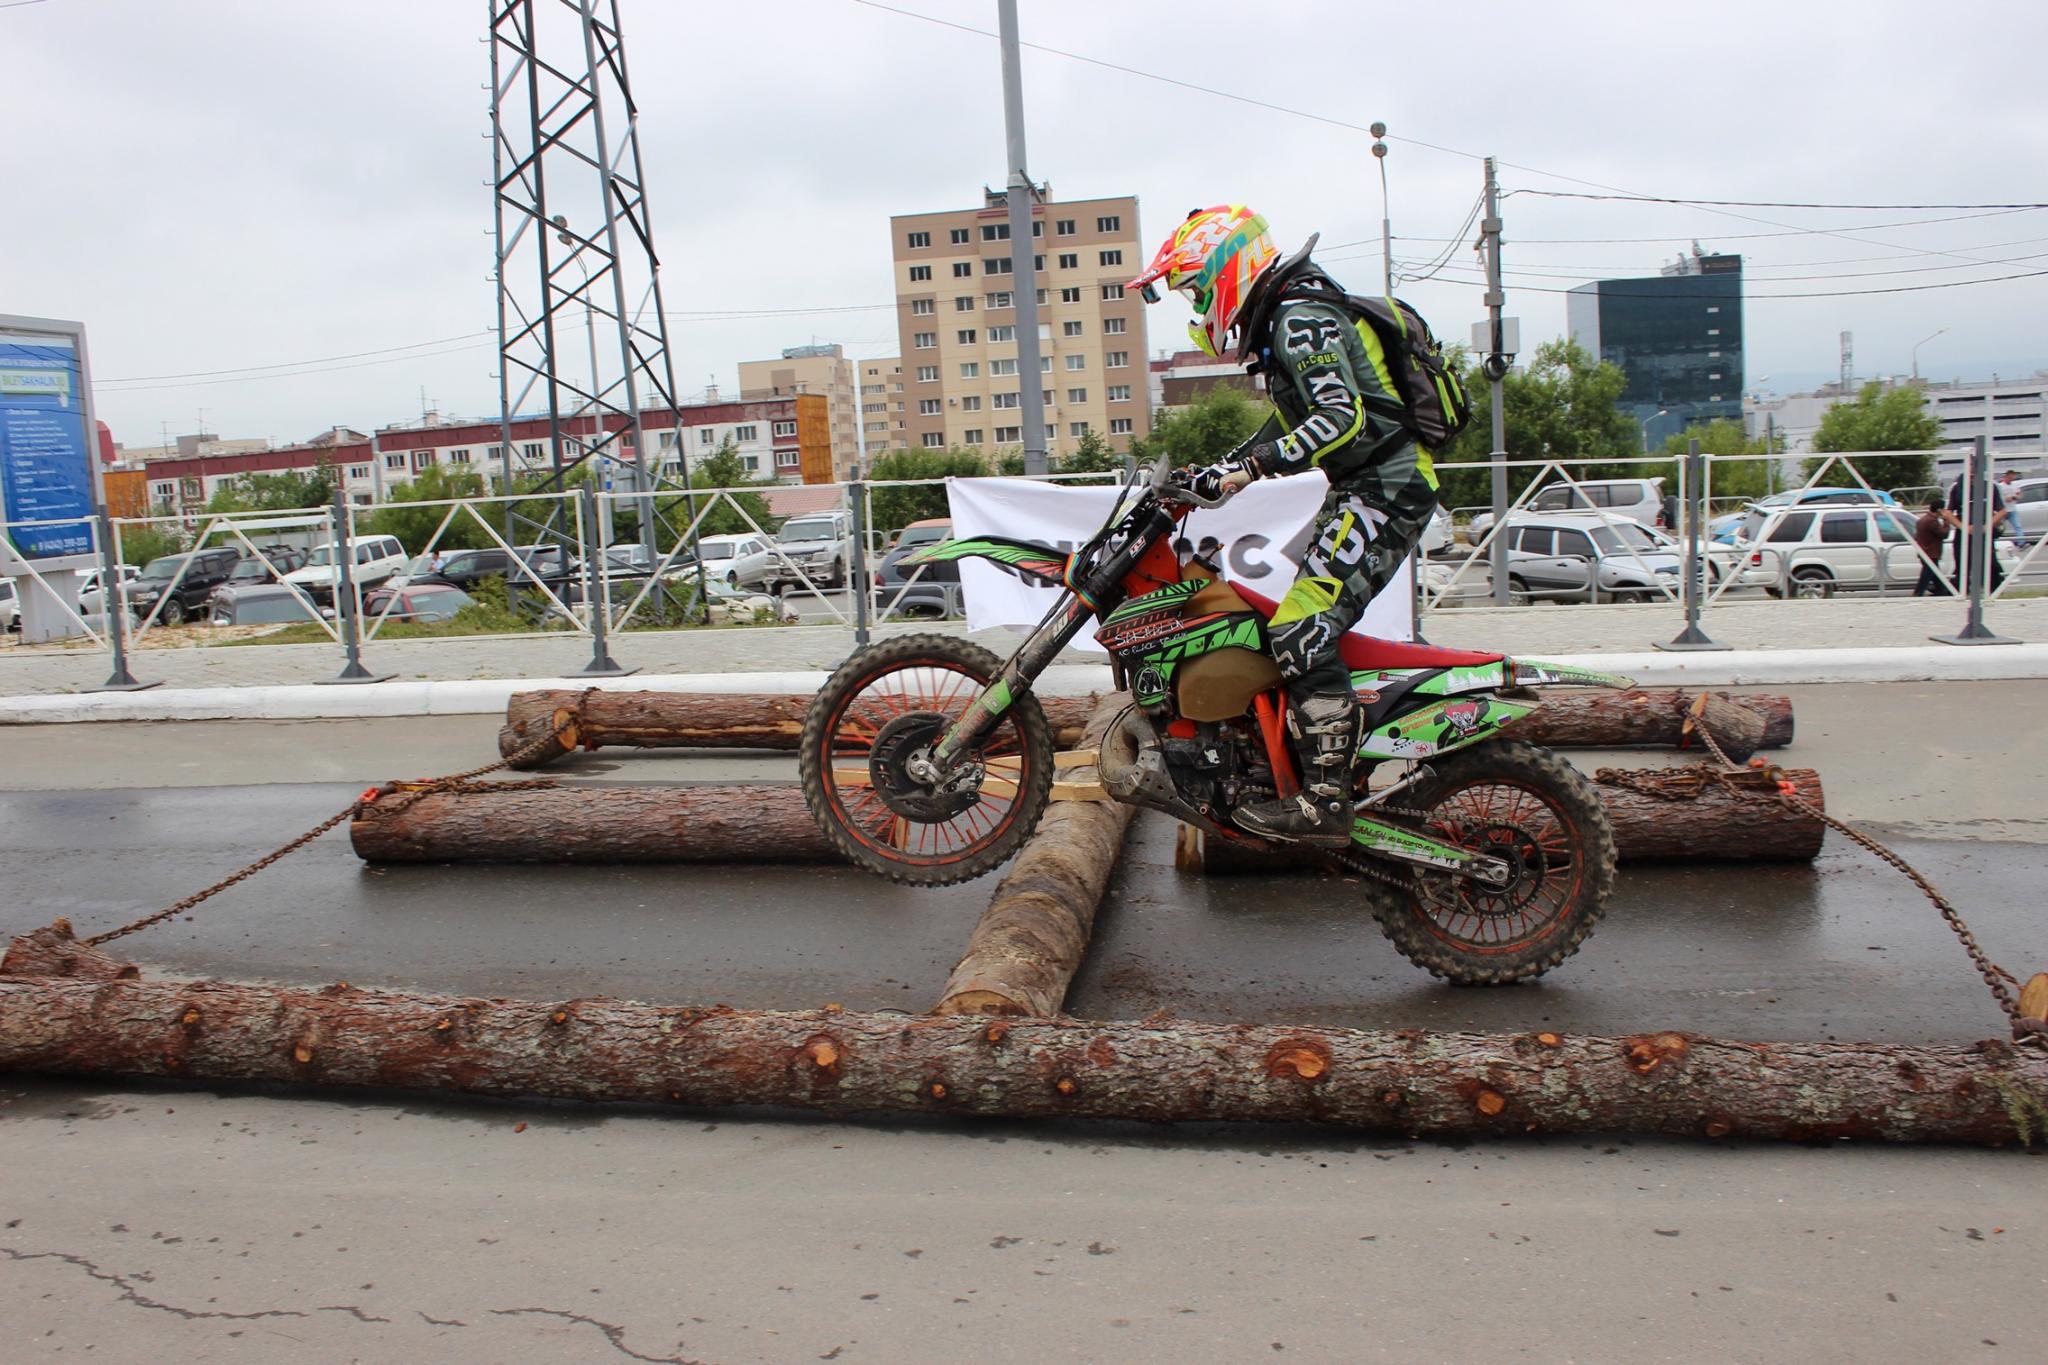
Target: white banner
{"points": [[1262, 531]]}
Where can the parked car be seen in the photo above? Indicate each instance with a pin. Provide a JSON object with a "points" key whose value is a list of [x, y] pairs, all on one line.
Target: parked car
{"points": [[1640, 500], [262, 604], [377, 559], [913, 590], [1816, 552], [10, 608], [92, 602], [820, 544], [740, 561], [272, 564], [176, 588], [416, 602], [1729, 528], [2026, 508], [1576, 555]]}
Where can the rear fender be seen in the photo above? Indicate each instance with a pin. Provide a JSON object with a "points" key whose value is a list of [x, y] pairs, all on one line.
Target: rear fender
{"points": [[1442, 724], [1537, 673], [1032, 563]]}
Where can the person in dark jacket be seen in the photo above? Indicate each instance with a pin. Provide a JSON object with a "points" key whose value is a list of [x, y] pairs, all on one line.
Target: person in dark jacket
{"points": [[1930, 533], [1336, 408]]}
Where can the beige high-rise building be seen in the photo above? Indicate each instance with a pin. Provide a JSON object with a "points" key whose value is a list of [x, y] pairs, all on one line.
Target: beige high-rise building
{"points": [[956, 318], [881, 403], [812, 369]]}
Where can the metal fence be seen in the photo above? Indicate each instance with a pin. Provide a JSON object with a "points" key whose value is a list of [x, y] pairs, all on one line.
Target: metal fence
{"points": [[567, 583]]}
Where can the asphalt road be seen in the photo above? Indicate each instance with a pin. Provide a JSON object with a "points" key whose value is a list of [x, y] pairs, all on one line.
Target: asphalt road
{"points": [[150, 1223]]}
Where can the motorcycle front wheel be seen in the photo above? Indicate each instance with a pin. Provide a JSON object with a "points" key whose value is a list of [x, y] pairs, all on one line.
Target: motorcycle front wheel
{"points": [[892, 702]]}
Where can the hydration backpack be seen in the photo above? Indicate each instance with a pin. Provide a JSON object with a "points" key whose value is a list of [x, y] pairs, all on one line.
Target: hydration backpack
{"points": [[1434, 402]]}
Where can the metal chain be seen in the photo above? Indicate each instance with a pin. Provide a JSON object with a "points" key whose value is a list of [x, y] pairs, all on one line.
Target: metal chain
{"points": [[1996, 978], [407, 793]]}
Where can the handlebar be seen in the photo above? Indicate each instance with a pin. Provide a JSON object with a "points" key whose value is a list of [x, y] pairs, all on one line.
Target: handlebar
{"points": [[1171, 486]]}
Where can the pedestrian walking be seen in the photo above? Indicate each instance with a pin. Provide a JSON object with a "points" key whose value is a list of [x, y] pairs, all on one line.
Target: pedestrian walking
{"points": [[1930, 534], [1955, 515]]}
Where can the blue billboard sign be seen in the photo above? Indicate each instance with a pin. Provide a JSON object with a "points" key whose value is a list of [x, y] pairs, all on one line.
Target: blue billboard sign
{"points": [[46, 445]]}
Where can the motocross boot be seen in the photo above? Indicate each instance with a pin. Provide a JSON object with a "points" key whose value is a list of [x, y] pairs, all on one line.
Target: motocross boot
{"points": [[1327, 730]]}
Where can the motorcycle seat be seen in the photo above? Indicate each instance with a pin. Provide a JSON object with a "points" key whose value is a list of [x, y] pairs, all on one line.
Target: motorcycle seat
{"points": [[1369, 653]]}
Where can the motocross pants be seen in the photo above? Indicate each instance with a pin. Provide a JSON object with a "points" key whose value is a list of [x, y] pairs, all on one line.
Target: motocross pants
{"points": [[1355, 546]]}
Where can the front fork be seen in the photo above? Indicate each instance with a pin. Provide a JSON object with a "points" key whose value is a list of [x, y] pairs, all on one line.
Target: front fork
{"points": [[966, 734]]}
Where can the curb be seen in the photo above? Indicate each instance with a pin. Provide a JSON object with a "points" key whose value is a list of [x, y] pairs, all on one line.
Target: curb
{"points": [[1731, 668]]}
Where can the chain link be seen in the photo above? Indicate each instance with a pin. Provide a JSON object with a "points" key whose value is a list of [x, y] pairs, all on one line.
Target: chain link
{"points": [[405, 794], [1996, 978]]}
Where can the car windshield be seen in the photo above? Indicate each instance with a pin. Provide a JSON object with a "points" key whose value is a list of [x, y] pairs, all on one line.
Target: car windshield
{"points": [[163, 570], [6, 590], [251, 568], [810, 530], [717, 550], [1752, 523], [922, 535], [1622, 537]]}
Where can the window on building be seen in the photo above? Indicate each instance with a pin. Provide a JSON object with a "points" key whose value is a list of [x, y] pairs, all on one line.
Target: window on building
{"points": [[1077, 395], [970, 403], [1714, 308], [497, 452], [1041, 298], [1113, 326], [1003, 332], [1073, 329], [928, 407], [458, 457], [924, 341], [1077, 429], [1038, 227], [965, 336], [1110, 223], [1070, 296], [358, 472], [1119, 426], [963, 270], [1009, 434], [1112, 257], [1004, 400], [1115, 360], [752, 463], [874, 407], [788, 459], [920, 273], [1112, 291], [995, 232], [1119, 393], [922, 307], [784, 428], [971, 436], [1065, 227], [970, 369], [957, 236], [746, 433], [396, 459], [920, 239], [533, 450], [995, 265], [1077, 362], [963, 303], [933, 439], [668, 440], [1070, 260], [927, 374], [706, 436], [1002, 300], [1045, 397], [1038, 264]]}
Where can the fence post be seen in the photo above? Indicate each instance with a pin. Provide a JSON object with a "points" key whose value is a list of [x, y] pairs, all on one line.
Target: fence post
{"points": [[857, 492], [1695, 568], [352, 670], [1976, 548], [114, 607], [601, 664]]}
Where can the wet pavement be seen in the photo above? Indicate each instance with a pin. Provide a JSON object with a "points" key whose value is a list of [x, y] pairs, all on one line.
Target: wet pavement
{"points": [[1845, 948]]}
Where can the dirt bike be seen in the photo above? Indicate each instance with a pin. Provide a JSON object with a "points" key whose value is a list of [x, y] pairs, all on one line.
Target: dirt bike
{"points": [[1485, 859]]}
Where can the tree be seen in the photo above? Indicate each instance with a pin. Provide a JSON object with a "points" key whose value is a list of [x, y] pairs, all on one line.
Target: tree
{"points": [[1093, 455], [284, 492], [1563, 405], [722, 468], [896, 507], [1881, 420], [1204, 431], [415, 526], [1737, 478]]}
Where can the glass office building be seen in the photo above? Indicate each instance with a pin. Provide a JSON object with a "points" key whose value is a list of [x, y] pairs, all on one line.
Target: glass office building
{"points": [[1677, 336]]}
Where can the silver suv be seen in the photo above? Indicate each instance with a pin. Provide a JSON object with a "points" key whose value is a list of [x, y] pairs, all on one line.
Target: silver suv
{"points": [[820, 544], [1578, 556], [1637, 499]]}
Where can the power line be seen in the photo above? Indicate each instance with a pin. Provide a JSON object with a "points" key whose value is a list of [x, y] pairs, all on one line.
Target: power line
{"points": [[1764, 203], [1746, 296], [1719, 236], [293, 374], [1563, 274], [288, 364]]}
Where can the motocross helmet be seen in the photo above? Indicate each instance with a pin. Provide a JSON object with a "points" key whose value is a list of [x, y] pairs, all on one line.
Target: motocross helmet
{"points": [[1214, 257]]}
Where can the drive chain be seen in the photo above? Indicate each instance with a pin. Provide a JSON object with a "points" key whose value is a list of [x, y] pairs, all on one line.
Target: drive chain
{"points": [[404, 794]]}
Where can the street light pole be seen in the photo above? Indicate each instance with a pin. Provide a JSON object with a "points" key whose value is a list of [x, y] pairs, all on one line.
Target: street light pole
{"points": [[1916, 350], [1379, 154], [1644, 425]]}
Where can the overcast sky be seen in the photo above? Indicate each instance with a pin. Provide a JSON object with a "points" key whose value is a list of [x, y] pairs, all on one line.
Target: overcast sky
{"points": [[213, 185]]}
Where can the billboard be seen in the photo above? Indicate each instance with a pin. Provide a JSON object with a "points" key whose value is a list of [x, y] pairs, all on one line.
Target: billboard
{"points": [[47, 438]]}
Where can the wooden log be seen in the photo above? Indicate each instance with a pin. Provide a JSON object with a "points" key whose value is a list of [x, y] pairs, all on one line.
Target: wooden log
{"points": [[1028, 944], [1737, 730], [737, 824], [1653, 716], [1408, 1081], [691, 720], [1659, 815]]}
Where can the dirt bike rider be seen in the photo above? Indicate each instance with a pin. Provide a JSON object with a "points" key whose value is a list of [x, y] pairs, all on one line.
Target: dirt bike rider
{"points": [[1335, 409]]}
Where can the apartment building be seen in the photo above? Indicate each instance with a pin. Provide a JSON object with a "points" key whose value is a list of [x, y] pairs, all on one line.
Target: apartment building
{"points": [[820, 369], [881, 404], [956, 319]]}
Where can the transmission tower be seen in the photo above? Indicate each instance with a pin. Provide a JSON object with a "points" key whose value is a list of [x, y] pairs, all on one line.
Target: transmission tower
{"points": [[575, 244]]}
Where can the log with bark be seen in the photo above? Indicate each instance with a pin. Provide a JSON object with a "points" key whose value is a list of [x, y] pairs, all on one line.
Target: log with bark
{"points": [[689, 720], [1659, 815], [1645, 716], [1028, 944], [1407, 1081]]}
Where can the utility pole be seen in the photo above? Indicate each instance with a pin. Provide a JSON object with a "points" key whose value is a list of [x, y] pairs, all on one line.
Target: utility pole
{"points": [[1379, 154], [1019, 196], [1496, 365]]}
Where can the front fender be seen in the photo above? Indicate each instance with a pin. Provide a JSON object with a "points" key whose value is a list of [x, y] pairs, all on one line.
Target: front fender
{"points": [[1032, 563]]}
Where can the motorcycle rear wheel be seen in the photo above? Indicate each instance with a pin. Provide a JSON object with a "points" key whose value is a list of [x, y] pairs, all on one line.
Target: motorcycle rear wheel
{"points": [[1523, 803], [905, 692]]}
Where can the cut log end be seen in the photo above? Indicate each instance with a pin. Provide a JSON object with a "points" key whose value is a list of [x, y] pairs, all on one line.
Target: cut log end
{"points": [[1739, 730]]}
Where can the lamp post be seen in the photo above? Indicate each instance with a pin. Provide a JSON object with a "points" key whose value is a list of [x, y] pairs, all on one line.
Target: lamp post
{"points": [[1916, 350], [1379, 154], [1756, 399], [1645, 425]]}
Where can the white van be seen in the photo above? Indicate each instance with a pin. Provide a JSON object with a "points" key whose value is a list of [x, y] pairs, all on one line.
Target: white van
{"points": [[377, 559]]}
